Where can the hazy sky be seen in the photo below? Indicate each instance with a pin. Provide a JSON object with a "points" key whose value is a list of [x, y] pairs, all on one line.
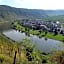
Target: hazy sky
{"points": [[34, 4]]}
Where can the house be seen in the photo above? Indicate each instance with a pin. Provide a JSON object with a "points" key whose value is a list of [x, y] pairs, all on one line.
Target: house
{"points": [[50, 26]]}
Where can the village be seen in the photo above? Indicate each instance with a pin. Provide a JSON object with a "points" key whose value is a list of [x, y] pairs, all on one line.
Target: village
{"points": [[50, 26]]}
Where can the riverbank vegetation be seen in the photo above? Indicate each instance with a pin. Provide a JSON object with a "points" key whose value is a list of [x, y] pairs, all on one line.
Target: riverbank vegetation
{"points": [[20, 53], [25, 52], [39, 33]]}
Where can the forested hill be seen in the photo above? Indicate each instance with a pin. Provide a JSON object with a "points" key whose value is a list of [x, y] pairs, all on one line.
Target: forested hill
{"points": [[11, 13], [8, 13], [54, 12]]}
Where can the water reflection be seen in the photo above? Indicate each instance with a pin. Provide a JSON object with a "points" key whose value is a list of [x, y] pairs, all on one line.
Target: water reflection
{"points": [[47, 45]]}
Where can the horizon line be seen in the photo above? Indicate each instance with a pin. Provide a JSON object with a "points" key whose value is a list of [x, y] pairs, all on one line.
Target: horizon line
{"points": [[30, 8]]}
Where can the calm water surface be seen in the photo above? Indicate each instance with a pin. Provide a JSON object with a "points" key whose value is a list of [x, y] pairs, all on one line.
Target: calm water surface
{"points": [[41, 44]]}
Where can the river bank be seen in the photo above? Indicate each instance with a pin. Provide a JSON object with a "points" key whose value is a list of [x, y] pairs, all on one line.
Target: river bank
{"points": [[39, 33], [25, 52], [29, 54]]}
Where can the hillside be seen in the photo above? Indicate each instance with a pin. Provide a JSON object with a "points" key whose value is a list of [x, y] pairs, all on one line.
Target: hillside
{"points": [[10, 13], [54, 12]]}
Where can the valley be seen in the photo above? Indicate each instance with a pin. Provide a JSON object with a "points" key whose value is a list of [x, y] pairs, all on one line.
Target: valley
{"points": [[31, 36]]}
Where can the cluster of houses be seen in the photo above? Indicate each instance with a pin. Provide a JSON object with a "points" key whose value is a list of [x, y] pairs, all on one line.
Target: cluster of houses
{"points": [[41, 25]]}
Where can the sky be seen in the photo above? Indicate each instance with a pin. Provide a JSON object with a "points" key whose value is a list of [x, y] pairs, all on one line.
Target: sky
{"points": [[35, 4]]}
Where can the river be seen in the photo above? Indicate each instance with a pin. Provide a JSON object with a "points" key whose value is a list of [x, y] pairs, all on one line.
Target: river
{"points": [[40, 43]]}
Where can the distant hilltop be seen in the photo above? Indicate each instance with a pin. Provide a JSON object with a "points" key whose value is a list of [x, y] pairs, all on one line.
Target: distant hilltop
{"points": [[10, 13]]}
